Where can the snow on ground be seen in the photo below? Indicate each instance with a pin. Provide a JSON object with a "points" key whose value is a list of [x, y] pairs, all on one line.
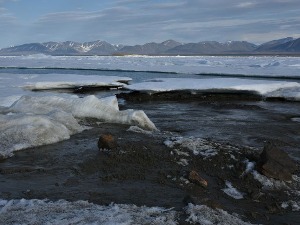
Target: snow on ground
{"points": [[267, 183], [294, 205], [242, 65], [201, 214], [198, 146], [232, 191], [16, 212], [33, 121], [267, 88]]}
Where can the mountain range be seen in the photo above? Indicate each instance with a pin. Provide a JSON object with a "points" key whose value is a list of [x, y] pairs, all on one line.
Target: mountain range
{"points": [[287, 45]]}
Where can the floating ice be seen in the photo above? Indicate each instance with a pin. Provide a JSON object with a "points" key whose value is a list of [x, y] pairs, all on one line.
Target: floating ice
{"points": [[232, 192], [81, 212], [34, 121], [201, 214]]}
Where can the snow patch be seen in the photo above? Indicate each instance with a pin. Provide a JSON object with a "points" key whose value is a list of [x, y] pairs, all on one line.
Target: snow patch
{"points": [[232, 192], [269, 183], [81, 212], [198, 146], [201, 214], [139, 130], [295, 206]]}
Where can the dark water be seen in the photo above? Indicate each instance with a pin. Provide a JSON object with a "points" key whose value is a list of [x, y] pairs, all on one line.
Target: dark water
{"points": [[250, 123], [241, 123]]}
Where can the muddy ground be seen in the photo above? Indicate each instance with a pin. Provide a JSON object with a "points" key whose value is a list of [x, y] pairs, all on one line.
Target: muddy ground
{"points": [[142, 171]]}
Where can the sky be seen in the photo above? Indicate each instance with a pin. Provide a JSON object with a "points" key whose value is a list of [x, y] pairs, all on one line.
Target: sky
{"points": [[133, 22]]}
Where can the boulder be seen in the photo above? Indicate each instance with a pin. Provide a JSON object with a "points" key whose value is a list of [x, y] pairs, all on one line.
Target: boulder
{"points": [[107, 141], [275, 163], [195, 178]]}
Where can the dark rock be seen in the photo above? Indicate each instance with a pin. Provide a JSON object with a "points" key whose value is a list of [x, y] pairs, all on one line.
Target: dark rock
{"points": [[1, 158], [189, 199], [195, 178], [276, 163], [274, 208], [107, 141]]}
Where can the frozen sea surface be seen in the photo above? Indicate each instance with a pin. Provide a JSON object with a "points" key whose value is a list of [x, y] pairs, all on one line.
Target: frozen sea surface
{"points": [[222, 65]]}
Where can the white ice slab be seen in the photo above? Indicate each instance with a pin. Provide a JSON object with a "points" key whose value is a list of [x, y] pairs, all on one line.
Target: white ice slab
{"points": [[34, 121], [267, 88], [13, 86]]}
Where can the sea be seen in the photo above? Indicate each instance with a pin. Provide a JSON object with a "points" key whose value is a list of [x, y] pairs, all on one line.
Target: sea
{"points": [[40, 94]]}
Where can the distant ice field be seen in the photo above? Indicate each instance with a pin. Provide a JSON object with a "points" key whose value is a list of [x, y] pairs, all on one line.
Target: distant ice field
{"points": [[33, 118], [265, 66]]}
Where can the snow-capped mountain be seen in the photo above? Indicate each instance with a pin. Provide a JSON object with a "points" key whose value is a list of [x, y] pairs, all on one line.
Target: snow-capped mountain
{"points": [[213, 47], [288, 44], [169, 47], [150, 48], [63, 48]]}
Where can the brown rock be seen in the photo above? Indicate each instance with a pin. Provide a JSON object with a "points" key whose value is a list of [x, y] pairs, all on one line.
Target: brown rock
{"points": [[276, 163], [195, 178], [107, 141]]}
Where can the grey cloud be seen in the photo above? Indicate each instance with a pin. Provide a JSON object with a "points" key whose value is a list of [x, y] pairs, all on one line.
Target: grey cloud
{"points": [[140, 21]]}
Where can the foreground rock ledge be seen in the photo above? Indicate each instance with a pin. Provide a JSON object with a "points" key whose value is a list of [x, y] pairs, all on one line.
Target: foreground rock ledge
{"points": [[276, 163]]}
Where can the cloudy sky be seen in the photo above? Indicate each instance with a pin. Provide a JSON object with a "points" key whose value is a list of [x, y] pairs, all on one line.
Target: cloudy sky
{"points": [[141, 21]]}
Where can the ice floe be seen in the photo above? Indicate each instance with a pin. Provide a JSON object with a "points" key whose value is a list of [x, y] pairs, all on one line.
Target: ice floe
{"points": [[33, 121], [81, 212]]}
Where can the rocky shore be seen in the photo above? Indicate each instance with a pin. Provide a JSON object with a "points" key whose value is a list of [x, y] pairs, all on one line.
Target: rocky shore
{"points": [[218, 176], [157, 169]]}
